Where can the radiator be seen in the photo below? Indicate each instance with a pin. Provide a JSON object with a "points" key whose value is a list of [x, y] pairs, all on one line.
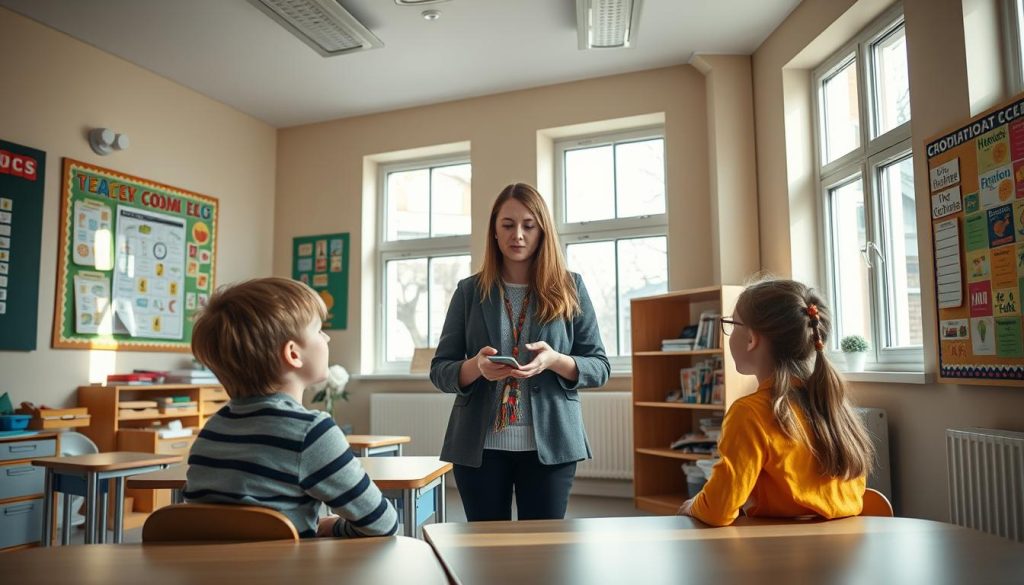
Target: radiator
{"points": [[607, 417], [986, 480], [877, 425]]}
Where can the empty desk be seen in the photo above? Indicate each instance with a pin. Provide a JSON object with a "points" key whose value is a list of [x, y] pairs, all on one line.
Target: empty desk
{"points": [[367, 445], [412, 479]]}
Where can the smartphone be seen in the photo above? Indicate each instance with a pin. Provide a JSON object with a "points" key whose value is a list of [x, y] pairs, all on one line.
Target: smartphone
{"points": [[505, 360]]}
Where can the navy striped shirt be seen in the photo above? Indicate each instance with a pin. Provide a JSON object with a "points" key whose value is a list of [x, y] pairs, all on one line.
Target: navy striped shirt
{"points": [[270, 451]]}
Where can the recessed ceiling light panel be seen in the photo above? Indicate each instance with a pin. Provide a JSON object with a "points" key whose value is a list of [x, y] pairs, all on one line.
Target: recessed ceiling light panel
{"points": [[607, 24], [324, 25]]}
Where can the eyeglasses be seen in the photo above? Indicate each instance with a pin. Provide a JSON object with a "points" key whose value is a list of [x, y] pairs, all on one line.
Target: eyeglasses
{"points": [[728, 325]]}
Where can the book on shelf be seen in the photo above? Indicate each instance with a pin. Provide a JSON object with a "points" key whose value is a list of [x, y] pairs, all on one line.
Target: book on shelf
{"points": [[135, 378], [703, 382], [192, 377], [677, 344], [708, 331]]}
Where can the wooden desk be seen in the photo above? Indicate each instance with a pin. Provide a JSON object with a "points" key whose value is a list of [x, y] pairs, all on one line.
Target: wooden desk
{"points": [[367, 445], [409, 478], [363, 561], [95, 468], [676, 549]]}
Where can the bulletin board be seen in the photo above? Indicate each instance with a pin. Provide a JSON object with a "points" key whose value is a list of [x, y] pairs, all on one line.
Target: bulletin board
{"points": [[22, 170], [976, 183], [136, 260], [322, 263]]}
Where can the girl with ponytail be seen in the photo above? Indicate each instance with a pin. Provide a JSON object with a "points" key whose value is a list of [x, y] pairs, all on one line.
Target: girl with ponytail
{"points": [[795, 447]]}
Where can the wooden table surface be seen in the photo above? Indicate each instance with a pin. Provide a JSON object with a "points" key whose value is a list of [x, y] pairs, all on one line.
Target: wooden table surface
{"points": [[172, 478], [110, 461], [370, 441], [675, 550], [366, 561], [402, 473]]}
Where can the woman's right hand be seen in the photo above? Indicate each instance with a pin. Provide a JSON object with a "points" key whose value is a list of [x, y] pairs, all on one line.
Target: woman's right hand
{"points": [[488, 369]]}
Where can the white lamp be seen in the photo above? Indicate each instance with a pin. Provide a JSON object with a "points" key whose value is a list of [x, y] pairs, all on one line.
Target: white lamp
{"points": [[607, 24], [105, 141]]}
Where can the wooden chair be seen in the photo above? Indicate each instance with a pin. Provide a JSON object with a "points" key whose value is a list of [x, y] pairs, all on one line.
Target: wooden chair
{"points": [[876, 504], [217, 522]]}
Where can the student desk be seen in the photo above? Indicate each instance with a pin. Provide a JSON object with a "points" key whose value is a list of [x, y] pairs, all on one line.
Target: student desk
{"points": [[409, 478], [65, 474], [362, 561], [674, 549], [367, 445]]}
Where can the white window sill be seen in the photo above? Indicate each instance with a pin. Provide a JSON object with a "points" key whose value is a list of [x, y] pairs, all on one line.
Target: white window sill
{"points": [[889, 377], [384, 376]]}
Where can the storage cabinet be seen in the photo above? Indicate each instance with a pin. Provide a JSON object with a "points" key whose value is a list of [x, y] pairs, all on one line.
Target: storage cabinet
{"points": [[114, 428], [21, 488], [659, 485]]}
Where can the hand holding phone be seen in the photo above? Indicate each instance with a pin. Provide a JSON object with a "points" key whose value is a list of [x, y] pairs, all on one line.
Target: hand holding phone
{"points": [[505, 360]]}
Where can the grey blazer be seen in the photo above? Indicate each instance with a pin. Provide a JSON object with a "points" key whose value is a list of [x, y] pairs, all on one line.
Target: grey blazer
{"points": [[555, 401]]}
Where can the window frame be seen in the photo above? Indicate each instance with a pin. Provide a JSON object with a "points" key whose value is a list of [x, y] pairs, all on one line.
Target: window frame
{"points": [[1013, 30], [864, 162], [613, 230], [410, 249]]}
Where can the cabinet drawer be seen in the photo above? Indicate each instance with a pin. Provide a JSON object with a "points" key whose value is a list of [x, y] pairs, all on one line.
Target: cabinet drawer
{"points": [[11, 450], [21, 522], [21, 479], [178, 446]]}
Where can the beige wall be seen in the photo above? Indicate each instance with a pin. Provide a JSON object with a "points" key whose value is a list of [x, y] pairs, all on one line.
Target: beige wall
{"points": [[320, 174], [52, 90], [940, 98]]}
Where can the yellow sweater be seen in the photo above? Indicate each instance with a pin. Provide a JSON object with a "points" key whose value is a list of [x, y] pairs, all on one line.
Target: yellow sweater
{"points": [[779, 475]]}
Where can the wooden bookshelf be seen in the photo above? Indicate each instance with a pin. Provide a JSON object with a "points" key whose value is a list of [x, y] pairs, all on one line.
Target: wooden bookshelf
{"points": [[115, 430], [659, 485]]}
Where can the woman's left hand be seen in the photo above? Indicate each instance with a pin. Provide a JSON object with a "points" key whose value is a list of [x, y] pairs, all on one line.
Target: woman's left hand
{"points": [[543, 358]]}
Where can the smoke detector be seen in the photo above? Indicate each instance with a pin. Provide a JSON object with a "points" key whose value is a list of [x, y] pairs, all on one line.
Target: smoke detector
{"points": [[324, 25]]}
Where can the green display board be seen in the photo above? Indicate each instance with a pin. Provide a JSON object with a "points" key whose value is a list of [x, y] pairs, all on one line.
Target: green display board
{"points": [[22, 171], [136, 261], [322, 263]]}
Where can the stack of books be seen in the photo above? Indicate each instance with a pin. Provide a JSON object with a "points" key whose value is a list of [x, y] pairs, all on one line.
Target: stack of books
{"points": [[708, 331], [191, 377], [685, 341], [133, 379]]}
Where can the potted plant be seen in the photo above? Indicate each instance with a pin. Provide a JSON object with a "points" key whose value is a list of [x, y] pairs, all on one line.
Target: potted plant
{"points": [[855, 350], [332, 389]]}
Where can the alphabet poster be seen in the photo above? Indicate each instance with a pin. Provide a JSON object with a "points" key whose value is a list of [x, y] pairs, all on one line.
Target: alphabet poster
{"points": [[22, 170], [137, 260], [976, 180]]}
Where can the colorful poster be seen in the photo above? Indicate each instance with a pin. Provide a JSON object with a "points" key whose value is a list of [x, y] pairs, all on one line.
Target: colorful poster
{"points": [[996, 187], [993, 149], [22, 179], [1008, 337], [980, 294], [1006, 302], [1004, 270], [154, 247], [322, 263], [976, 229], [1000, 226], [978, 267], [983, 336]]}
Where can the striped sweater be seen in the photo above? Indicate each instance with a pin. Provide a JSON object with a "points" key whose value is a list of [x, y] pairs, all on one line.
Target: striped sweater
{"points": [[270, 451]]}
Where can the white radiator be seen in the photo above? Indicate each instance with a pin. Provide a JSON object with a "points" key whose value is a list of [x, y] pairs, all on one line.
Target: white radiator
{"points": [[607, 417], [986, 480]]}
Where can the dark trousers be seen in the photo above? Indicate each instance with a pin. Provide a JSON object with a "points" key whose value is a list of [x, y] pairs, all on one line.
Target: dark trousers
{"points": [[542, 491]]}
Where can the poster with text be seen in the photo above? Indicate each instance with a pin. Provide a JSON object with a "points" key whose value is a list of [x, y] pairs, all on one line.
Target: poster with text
{"points": [[976, 178], [137, 260], [22, 170]]}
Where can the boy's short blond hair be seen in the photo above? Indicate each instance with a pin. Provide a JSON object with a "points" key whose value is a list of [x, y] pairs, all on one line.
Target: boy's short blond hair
{"points": [[244, 327]]}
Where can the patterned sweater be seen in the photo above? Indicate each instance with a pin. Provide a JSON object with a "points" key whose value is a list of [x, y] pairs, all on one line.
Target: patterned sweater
{"points": [[270, 451]]}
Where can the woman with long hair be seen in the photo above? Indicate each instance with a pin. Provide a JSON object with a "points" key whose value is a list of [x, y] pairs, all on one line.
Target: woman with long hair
{"points": [[519, 341]]}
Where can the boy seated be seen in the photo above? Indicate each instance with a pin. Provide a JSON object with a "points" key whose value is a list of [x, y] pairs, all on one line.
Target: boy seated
{"points": [[262, 339]]}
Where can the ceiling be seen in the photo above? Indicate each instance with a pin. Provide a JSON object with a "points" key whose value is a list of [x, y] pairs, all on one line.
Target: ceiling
{"points": [[232, 52]]}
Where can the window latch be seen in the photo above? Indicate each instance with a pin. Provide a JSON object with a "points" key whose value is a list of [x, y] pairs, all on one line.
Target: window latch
{"points": [[865, 254]]}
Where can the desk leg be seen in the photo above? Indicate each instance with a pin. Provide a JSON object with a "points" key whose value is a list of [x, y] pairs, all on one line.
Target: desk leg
{"points": [[65, 532], [47, 508], [439, 513], [118, 510], [177, 496], [398, 451], [409, 512], [364, 451], [91, 490], [101, 522]]}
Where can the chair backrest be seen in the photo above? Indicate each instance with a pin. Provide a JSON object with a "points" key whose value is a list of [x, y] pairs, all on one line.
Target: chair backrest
{"points": [[217, 523], [876, 504]]}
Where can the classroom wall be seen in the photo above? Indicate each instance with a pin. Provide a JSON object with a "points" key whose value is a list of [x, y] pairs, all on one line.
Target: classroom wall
{"points": [[321, 170], [54, 88], [941, 97]]}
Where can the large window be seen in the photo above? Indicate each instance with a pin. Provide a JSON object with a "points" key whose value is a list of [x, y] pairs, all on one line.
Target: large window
{"points": [[424, 252], [865, 164], [1013, 19], [610, 211]]}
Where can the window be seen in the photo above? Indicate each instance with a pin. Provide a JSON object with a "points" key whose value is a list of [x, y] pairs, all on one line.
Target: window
{"points": [[610, 211], [1013, 17], [865, 165], [424, 253]]}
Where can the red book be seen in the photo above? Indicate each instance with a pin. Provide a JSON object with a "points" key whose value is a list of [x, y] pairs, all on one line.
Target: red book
{"points": [[135, 377]]}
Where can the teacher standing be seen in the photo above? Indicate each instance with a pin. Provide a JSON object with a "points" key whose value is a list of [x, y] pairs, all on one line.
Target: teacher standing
{"points": [[518, 430]]}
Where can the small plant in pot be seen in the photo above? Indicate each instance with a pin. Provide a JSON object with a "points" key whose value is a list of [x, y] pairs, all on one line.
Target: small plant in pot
{"points": [[855, 350]]}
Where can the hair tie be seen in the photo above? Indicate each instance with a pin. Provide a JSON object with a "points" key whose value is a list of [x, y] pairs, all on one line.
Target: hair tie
{"points": [[819, 346], [812, 311]]}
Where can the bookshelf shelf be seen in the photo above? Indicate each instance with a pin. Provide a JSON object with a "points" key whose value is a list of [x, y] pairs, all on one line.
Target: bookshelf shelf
{"points": [[659, 484], [672, 454], [680, 405]]}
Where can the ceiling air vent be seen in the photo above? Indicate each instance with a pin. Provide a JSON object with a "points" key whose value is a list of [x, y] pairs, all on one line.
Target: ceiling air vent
{"points": [[324, 25], [607, 24], [418, 2]]}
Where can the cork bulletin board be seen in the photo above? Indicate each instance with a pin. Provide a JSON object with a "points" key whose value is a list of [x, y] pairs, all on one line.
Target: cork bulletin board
{"points": [[136, 260], [976, 184]]}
